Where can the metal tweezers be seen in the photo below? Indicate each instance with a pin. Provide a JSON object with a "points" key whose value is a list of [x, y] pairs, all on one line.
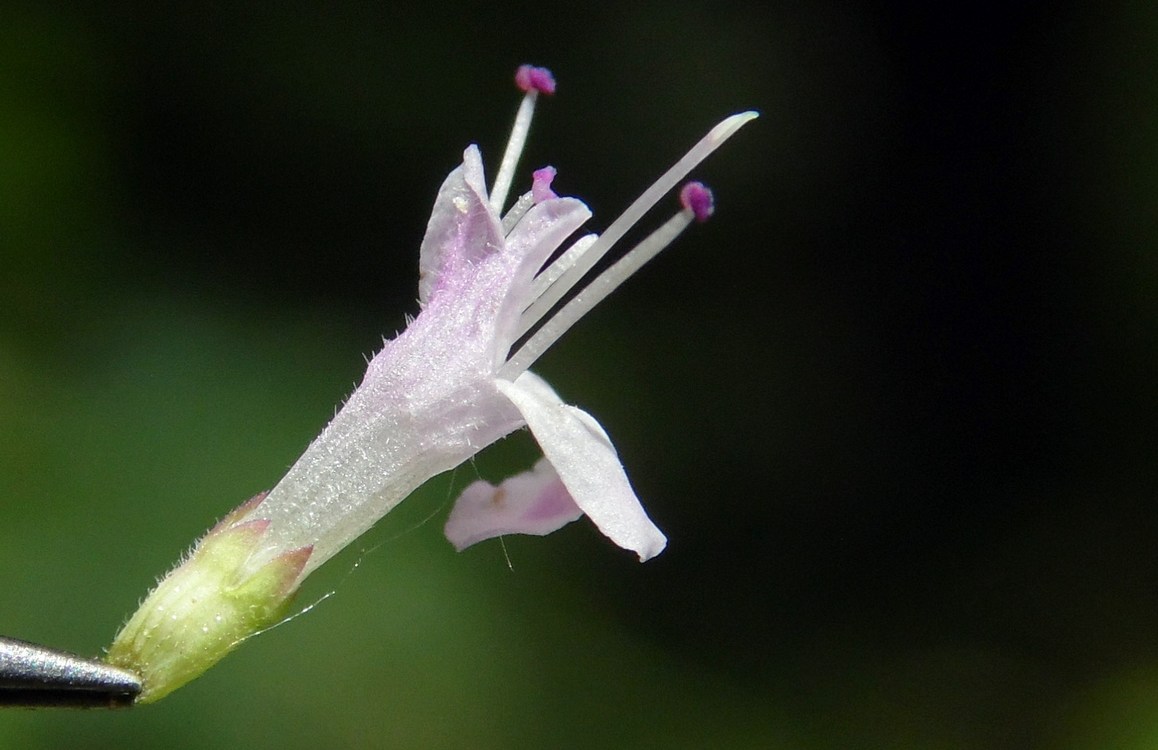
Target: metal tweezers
{"points": [[34, 676]]}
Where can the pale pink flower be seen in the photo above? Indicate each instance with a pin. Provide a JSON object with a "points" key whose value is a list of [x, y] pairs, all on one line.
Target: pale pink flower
{"points": [[450, 384]]}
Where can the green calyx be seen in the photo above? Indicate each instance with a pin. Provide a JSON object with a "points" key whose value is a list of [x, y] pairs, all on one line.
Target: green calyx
{"points": [[205, 607]]}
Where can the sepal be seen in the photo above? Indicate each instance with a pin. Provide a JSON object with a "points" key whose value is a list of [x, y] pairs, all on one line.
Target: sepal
{"points": [[205, 607]]}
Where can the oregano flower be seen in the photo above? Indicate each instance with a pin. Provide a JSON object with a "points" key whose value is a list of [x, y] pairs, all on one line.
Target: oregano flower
{"points": [[450, 384]]}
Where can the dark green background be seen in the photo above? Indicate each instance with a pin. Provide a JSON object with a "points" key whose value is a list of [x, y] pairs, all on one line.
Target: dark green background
{"points": [[894, 406]]}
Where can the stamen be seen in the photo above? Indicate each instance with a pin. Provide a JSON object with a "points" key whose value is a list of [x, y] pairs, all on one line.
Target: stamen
{"points": [[532, 80], [563, 280], [603, 285], [696, 197], [540, 191], [512, 217], [541, 184], [552, 272], [529, 77]]}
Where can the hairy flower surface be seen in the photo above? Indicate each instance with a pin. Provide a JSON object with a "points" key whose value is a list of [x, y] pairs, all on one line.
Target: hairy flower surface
{"points": [[449, 385]]}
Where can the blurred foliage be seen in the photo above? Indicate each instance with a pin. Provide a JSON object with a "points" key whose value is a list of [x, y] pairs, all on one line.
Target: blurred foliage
{"points": [[894, 406]]}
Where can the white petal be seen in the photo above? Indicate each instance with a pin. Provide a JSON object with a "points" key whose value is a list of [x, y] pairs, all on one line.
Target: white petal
{"points": [[533, 502], [583, 456], [538, 235], [462, 228]]}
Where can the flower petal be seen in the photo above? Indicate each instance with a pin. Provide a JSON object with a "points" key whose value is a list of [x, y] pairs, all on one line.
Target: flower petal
{"points": [[583, 456], [533, 240], [462, 228], [533, 502]]}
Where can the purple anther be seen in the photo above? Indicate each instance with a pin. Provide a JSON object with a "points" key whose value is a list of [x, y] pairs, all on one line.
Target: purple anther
{"points": [[541, 184], [529, 78], [695, 197]]}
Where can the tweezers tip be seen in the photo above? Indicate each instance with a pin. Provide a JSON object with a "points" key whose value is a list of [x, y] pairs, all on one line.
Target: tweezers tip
{"points": [[32, 675]]}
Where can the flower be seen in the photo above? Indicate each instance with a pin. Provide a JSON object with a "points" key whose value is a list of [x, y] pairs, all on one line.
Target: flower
{"points": [[450, 384]]}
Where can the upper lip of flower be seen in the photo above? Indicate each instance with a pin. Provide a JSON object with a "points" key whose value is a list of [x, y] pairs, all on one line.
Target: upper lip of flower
{"points": [[467, 258]]}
